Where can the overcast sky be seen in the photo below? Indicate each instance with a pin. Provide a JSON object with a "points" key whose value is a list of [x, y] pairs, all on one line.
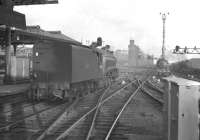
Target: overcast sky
{"points": [[116, 21]]}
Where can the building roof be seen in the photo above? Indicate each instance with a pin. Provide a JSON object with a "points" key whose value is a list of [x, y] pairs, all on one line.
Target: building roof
{"points": [[32, 2], [54, 35], [16, 19], [35, 33]]}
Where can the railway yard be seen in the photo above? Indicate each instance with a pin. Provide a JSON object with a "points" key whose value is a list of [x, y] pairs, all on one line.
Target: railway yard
{"points": [[54, 87], [132, 110]]}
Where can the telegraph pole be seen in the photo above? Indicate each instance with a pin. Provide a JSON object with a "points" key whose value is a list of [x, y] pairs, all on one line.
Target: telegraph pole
{"points": [[164, 16]]}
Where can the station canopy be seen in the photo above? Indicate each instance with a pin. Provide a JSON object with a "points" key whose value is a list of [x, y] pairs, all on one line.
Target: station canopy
{"points": [[12, 18], [34, 34], [32, 2]]}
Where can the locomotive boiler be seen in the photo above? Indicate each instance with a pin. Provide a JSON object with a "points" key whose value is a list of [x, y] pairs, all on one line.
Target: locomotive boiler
{"points": [[68, 71]]}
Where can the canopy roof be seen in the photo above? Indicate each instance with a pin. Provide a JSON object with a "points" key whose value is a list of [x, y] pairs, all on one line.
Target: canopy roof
{"points": [[13, 18], [34, 33], [32, 2]]}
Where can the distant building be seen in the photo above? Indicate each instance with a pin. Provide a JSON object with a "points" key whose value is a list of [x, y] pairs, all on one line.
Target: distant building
{"points": [[137, 58], [122, 57]]}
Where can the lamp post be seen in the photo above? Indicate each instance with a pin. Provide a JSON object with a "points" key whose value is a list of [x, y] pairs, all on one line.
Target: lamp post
{"points": [[164, 16]]}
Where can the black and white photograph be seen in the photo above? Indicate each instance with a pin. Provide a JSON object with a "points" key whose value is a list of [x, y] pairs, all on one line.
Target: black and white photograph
{"points": [[99, 70]]}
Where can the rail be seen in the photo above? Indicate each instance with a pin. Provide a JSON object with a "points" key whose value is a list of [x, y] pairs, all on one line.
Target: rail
{"points": [[161, 101], [125, 105], [96, 112], [154, 97], [156, 87], [66, 132], [59, 120], [9, 125], [60, 117]]}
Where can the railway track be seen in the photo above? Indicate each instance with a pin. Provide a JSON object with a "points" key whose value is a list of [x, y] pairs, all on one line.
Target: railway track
{"points": [[115, 107], [11, 104], [16, 118], [84, 107], [12, 100], [153, 92], [16, 107], [141, 120], [20, 111], [94, 118], [155, 87]]}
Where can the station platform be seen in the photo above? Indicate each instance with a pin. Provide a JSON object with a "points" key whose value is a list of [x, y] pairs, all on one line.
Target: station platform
{"points": [[6, 90]]}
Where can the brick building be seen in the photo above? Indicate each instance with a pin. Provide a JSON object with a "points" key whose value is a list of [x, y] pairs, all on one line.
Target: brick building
{"points": [[137, 58]]}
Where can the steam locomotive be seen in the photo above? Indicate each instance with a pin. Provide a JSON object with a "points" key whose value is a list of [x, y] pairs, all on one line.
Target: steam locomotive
{"points": [[162, 67], [67, 71]]}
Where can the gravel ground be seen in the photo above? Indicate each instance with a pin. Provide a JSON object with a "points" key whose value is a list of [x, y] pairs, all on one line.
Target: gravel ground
{"points": [[141, 120]]}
